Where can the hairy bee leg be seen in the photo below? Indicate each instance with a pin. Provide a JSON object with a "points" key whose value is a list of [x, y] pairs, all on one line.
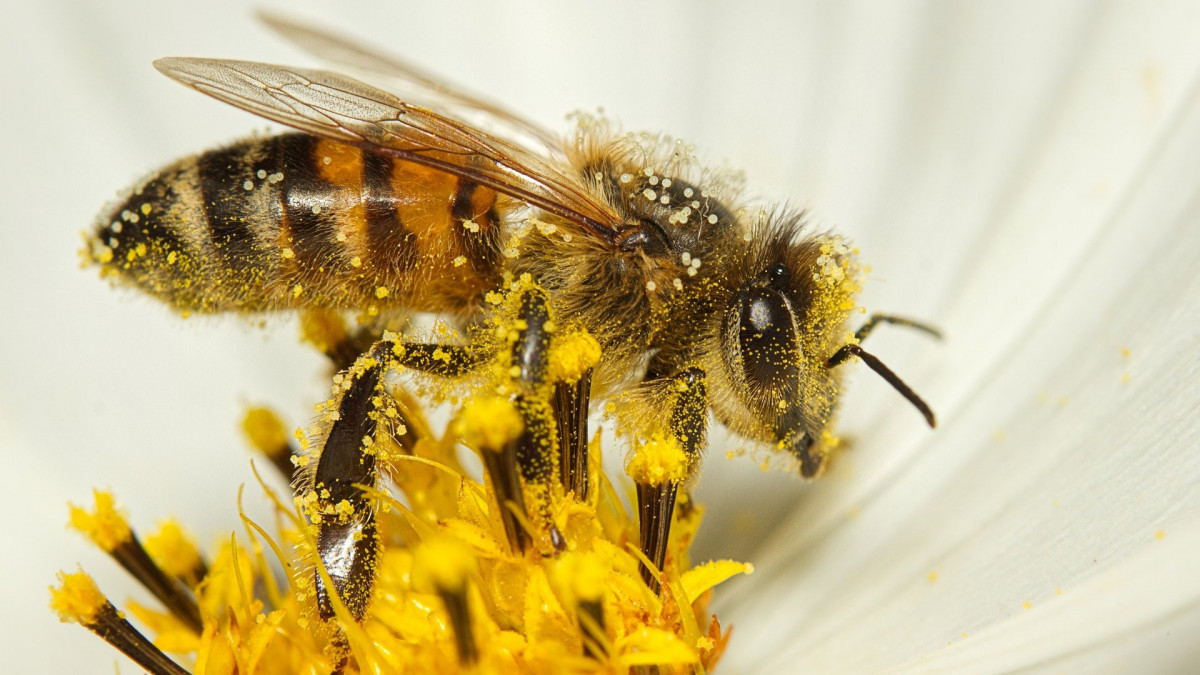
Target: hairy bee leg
{"points": [[688, 426], [346, 541], [874, 320], [535, 446], [571, 400], [435, 359]]}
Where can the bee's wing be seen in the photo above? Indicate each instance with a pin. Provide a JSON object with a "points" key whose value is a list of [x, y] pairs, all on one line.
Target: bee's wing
{"points": [[411, 81], [347, 110]]}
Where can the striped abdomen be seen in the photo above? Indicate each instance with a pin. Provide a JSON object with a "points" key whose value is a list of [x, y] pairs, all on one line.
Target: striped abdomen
{"points": [[296, 221]]}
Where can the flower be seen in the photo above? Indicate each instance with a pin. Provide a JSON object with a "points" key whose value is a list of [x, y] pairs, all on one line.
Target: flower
{"points": [[447, 593], [1012, 171]]}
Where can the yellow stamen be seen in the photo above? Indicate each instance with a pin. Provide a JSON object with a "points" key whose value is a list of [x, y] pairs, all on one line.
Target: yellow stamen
{"points": [[105, 526]]}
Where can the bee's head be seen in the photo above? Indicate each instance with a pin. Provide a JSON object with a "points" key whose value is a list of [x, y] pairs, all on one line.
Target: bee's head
{"points": [[782, 336], [786, 318]]}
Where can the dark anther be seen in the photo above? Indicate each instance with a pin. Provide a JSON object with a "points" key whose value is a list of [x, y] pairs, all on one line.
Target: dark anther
{"points": [[571, 417], [656, 506], [501, 466]]}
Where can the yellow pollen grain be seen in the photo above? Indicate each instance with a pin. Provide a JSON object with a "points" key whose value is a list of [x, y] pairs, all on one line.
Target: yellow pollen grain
{"points": [[77, 599], [287, 253], [105, 526], [146, 209], [381, 292], [355, 261], [571, 356], [459, 261], [490, 422], [659, 460], [172, 257], [583, 577], [1027, 604], [442, 565], [265, 431], [297, 290], [173, 550], [1159, 535], [931, 577]]}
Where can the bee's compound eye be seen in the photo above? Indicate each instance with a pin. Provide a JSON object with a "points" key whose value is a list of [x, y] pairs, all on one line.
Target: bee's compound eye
{"points": [[767, 340]]}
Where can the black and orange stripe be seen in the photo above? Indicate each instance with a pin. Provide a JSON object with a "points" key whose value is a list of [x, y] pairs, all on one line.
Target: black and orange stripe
{"points": [[295, 221]]}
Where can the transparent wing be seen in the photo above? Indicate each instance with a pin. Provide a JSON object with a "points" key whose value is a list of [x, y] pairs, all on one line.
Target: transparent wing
{"points": [[413, 81], [347, 110]]}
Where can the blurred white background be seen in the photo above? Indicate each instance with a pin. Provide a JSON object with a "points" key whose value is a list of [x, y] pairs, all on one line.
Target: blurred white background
{"points": [[977, 153]]}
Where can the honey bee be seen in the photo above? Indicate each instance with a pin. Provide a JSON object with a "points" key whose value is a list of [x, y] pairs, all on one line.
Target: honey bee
{"points": [[618, 246]]}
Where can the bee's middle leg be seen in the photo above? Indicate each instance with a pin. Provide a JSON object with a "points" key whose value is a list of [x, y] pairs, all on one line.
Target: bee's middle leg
{"points": [[658, 485]]}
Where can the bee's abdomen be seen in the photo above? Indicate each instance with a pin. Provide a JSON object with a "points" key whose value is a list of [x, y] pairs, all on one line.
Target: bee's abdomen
{"points": [[296, 221]]}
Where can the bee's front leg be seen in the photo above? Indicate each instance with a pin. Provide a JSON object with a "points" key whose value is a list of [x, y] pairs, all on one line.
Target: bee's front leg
{"points": [[661, 465]]}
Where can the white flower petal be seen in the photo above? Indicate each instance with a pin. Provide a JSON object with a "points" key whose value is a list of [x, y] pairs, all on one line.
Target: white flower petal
{"points": [[952, 141], [1048, 470]]}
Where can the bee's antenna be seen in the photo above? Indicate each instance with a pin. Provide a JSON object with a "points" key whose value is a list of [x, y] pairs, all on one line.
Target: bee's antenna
{"points": [[846, 351]]}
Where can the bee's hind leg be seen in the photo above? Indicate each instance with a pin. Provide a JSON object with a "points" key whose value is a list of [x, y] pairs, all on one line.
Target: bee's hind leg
{"points": [[337, 501]]}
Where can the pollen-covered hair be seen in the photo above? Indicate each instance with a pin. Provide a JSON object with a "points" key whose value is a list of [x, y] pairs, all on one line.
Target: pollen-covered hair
{"points": [[816, 277], [625, 293]]}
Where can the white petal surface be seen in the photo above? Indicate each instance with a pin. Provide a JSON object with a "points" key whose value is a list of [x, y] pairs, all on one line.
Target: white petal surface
{"points": [[1061, 462], [1022, 173]]}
